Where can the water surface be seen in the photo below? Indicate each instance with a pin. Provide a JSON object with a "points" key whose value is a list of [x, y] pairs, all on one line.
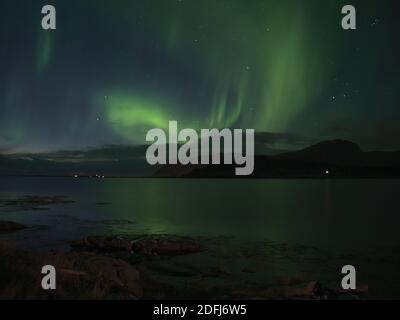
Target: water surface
{"points": [[343, 215]]}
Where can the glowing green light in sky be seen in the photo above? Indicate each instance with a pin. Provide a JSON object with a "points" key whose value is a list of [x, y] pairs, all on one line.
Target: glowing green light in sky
{"points": [[131, 116], [44, 47], [262, 67]]}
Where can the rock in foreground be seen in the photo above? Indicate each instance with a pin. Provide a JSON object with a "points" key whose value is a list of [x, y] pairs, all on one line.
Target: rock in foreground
{"points": [[151, 245], [9, 226], [79, 276], [167, 246], [102, 244]]}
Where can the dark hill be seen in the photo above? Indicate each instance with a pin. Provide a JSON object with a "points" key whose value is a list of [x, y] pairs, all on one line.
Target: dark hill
{"points": [[333, 159], [338, 152]]}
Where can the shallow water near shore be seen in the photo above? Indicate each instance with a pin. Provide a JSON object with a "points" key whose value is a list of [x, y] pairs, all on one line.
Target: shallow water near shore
{"points": [[338, 215], [257, 231]]}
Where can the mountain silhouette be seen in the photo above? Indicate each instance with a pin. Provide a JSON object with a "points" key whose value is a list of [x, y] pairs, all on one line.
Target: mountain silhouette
{"points": [[338, 152], [328, 159], [333, 159]]}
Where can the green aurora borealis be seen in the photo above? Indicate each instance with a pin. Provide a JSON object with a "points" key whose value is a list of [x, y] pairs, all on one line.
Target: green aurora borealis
{"points": [[264, 88], [114, 69]]}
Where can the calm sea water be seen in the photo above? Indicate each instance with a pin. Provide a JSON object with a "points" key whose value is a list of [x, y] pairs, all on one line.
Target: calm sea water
{"points": [[341, 215]]}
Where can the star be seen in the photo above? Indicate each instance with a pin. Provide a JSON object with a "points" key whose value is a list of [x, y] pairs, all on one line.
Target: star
{"points": [[375, 22]]}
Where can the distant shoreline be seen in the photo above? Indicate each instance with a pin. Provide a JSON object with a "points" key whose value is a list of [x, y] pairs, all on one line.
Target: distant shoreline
{"points": [[211, 178]]}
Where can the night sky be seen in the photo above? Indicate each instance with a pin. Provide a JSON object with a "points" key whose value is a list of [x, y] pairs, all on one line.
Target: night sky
{"points": [[114, 69]]}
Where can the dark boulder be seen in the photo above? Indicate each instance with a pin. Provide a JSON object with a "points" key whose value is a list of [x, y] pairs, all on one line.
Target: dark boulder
{"points": [[102, 244], [9, 226], [79, 276], [167, 246]]}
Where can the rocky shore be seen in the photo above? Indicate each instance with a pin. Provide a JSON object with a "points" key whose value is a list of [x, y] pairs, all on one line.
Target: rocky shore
{"points": [[165, 267], [32, 203], [9, 226]]}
